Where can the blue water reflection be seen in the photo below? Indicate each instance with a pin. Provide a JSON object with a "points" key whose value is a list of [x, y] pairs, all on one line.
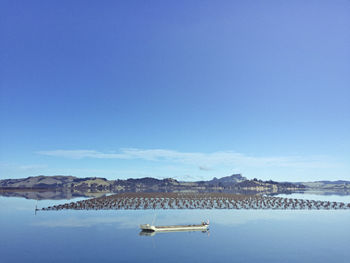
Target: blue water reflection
{"points": [[113, 236]]}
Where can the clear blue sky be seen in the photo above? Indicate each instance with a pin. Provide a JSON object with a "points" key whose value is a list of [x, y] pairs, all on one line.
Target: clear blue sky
{"points": [[183, 89]]}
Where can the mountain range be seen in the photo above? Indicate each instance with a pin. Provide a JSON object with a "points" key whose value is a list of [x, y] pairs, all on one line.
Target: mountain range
{"points": [[235, 181], [67, 187]]}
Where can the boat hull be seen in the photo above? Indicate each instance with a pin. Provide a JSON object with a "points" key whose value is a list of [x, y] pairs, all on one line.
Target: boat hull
{"points": [[148, 227]]}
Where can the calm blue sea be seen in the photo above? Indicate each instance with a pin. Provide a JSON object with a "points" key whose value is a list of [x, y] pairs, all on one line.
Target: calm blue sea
{"points": [[113, 236]]}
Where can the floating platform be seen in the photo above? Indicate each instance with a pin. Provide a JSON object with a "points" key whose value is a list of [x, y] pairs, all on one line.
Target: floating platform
{"points": [[135, 201]]}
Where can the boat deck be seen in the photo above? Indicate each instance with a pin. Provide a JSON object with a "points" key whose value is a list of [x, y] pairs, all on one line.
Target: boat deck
{"points": [[201, 227], [179, 226]]}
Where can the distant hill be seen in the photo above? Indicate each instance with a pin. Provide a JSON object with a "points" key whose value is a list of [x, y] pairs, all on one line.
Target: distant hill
{"points": [[335, 182], [97, 183], [228, 180], [328, 185], [53, 182], [235, 181]]}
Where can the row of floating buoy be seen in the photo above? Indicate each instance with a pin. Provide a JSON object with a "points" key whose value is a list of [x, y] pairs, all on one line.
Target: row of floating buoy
{"points": [[195, 201]]}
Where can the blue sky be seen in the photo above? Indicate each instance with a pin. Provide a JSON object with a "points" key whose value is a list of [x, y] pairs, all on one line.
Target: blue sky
{"points": [[182, 89]]}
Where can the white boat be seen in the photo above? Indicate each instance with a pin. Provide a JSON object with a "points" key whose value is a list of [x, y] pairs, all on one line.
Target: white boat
{"points": [[202, 227]]}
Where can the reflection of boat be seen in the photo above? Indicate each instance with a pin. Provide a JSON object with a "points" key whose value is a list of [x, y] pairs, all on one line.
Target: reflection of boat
{"points": [[147, 233], [152, 233], [202, 227]]}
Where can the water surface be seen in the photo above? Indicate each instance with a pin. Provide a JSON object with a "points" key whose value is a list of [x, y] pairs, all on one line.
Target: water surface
{"points": [[113, 235]]}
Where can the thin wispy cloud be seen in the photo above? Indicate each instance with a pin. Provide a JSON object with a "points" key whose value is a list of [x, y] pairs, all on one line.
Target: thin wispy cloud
{"points": [[204, 168], [201, 160], [25, 167]]}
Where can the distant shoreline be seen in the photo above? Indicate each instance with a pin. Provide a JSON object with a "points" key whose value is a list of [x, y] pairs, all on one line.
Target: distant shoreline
{"points": [[234, 183]]}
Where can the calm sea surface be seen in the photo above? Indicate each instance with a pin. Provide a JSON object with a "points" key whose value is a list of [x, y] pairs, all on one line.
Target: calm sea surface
{"points": [[113, 236]]}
